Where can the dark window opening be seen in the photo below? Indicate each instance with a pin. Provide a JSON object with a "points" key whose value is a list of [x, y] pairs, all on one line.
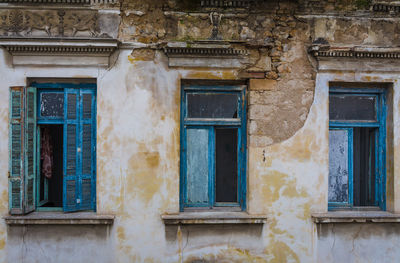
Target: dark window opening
{"points": [[226, 165], [364, 166], [352, 107], [51, 165], [212, 105], [52, 104], [357, 123], [213, 148]]}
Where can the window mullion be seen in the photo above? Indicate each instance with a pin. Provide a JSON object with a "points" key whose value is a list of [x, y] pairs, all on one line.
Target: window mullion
{"points": [[211, 166], [351, 167]]}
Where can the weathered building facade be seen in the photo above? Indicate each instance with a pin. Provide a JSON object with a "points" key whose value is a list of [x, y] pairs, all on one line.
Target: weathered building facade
{"points": [[199, 131]]}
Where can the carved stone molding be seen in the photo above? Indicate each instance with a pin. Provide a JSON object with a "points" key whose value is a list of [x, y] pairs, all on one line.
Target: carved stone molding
{"points": [[203, 52], [53, 50], [227, 3], [386, 7], [355, 52], [210, 54], [57, 23], [356, 59], [71, 52]]}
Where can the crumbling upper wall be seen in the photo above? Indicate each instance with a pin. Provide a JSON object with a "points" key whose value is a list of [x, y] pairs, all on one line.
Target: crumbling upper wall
{"points": [[276, 35]]}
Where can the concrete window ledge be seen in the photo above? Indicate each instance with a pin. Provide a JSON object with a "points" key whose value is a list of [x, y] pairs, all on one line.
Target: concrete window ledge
{"points": [[355, 217], [212, 218], [60, 218]]}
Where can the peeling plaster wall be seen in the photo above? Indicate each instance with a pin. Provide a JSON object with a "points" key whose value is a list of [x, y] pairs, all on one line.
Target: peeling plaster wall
{"points": [[138, 102], [358, 243]]}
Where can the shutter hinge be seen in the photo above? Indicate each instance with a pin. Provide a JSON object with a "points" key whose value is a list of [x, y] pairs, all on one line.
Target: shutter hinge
{"points": [[8, 174]]}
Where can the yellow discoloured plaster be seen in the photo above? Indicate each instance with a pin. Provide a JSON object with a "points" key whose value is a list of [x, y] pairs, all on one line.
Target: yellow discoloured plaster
{"points": [[220, 75]]}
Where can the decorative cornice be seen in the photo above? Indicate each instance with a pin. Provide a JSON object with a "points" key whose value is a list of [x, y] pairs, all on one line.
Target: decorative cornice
{"points": [[386, 7], [355, 52], [209, 54], [227, 3], [15, 49], [41, 46], [60, 52], [204, 52]]}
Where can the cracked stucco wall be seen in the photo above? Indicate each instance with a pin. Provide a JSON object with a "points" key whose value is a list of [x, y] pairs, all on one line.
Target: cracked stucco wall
{"points": [[138, 145]]}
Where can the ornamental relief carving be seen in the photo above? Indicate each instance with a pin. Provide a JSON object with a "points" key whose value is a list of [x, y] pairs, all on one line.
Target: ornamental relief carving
{"points": [[49, 23]]}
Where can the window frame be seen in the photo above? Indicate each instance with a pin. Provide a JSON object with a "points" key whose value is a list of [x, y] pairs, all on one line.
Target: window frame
{"points": [[211, 124], [380, 142], [65, 88]]}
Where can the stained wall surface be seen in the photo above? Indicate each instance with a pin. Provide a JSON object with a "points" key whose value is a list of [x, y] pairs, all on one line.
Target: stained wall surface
{"points": [[138, 143]]}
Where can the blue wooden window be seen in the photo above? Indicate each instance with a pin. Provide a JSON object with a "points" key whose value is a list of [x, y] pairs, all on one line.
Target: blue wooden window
{"points": [[69, 111], [357, 148], [213, 147], [22, 143]]}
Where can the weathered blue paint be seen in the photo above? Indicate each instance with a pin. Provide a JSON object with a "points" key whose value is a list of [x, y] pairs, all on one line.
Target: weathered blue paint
{"points": [[16, 130], [197, 167], [80, 179], [210, 124], [30, 150], [380, 149], [349, 203]]}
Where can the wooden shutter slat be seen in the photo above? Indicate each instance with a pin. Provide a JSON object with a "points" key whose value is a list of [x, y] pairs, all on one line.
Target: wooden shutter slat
{"points": [[16, 144], [71, 143], [30, 150], [79, 177], [87, 106], [15, 193], [87, 142], [86, 194], [71, 149], [16, 148], [71, 105], [87, 149]]}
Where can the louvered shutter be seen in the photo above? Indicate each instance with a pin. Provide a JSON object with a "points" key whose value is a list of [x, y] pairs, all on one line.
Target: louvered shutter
{"points": [[71, 199], [22, 150], [30, 150], [16, 142], [87, 183]]}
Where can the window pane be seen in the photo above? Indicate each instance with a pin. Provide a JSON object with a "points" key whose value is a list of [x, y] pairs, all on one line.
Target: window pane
{"points": [[338, 166], [212, 105], [52, 104], [352, 107], [364, 166], [197, 166], [226, 165]]}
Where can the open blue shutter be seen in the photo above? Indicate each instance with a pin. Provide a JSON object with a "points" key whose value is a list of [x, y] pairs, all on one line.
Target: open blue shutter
{"points": [[22, 150], [16, 150], [79, 154], [87, 156], [70, 167], [30, 150]]}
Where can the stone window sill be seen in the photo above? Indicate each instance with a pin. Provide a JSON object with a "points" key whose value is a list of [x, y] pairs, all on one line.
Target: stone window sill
{"points": [[60, 218], [355, 217], [212, 218]]}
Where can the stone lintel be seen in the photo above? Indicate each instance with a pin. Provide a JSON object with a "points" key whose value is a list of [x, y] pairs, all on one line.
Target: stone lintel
{"points": [[355, 217], [60, 218], [62, 52], [212, 218], [205, 54], [357, 52], [382, 6]]}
